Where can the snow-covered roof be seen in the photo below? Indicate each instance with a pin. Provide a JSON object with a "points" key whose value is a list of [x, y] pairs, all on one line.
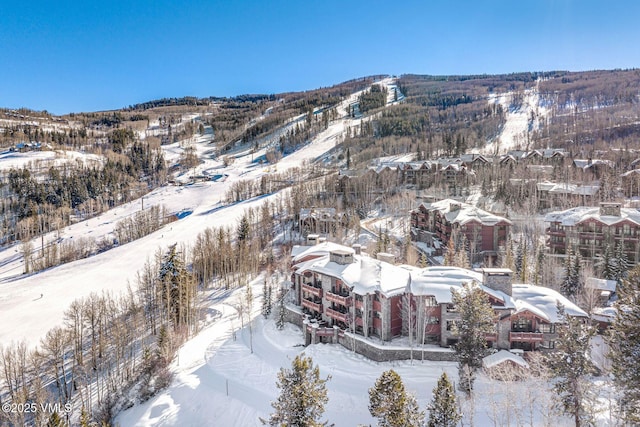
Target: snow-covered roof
{"points": [[364, 275], [573, 216], [318, 250], [601, 284], [589, 163], [503, 356], [631, 172], [438, 281], [462, 213], [543, 302], [564, 188], [604, 314]]}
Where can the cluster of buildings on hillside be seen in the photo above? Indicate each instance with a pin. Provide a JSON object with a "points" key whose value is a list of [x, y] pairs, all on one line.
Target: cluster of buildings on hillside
{"points": [[459, 172], [340, 289]]}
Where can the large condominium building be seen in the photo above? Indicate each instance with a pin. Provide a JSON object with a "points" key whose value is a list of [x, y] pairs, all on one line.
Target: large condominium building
{"points": [[484, 232], [590, 229], [338, 288]]}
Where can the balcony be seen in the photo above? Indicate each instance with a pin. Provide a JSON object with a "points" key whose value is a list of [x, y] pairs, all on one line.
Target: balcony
{"points": [[312, 305], [630, 237], [555, 232], [336, 315], [309, 288], [338, 299], [590, 235], [526, 336]]}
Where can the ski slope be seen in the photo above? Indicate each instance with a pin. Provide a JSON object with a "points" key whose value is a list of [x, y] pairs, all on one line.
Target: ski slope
{"points": [[32, 304], [520, 121]]}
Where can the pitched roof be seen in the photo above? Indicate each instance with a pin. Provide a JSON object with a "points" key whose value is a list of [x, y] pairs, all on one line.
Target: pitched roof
{"points": [[573, 216], [462, 213], [543, 302], [501, 357]]}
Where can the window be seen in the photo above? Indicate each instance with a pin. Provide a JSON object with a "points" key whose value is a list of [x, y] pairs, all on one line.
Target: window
{"points": [[451, 323], [377, 315], [547, 328], [548, 344], [433, 320], [521, 325]]}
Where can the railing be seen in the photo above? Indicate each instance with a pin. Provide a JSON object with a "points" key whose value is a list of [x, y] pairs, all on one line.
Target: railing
{"points": [[312, 290], [334, 314], [526, 336], [312, 305], [338, 299]]}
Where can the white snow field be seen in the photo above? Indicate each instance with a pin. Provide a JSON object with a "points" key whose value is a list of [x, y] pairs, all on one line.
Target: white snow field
{"points": [[520, 121]]}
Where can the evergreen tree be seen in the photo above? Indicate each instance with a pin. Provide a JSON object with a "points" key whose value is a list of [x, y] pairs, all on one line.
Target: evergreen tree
{"points": [[621, 263], [178, 287], [281, 311], [519, 261], [303, 395], [265, 301], [572, 366], [540, 258], [624, 342], [348, 158], [476, 320], [269, 299], [572, 285], [443, 409], [56, 421], [391, 404], [607, 264], [243, 229]]}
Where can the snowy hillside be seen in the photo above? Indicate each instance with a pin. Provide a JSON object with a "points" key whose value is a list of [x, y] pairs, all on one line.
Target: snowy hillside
{"points": [[32, 304], [524, 114]]}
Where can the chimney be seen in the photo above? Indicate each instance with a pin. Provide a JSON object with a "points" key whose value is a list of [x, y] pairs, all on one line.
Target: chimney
{"points": [[498, 279], [454, 207], [357, 248], [609, 209], [341, 257], [313, 239], [386, 257]]}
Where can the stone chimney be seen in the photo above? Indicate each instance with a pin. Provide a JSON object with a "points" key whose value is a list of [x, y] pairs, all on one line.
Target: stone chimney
{"points": [[341, 257], [609, 209], [357, 248], [498, 279], [386, 257], [313, 239], [454, 207]]}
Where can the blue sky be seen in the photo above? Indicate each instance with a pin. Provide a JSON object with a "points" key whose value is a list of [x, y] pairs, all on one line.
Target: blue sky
{"points": [[70, 56]]}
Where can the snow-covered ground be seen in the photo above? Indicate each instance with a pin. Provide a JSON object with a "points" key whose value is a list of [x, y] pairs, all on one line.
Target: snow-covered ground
{"points": [[42, 160], [220, 381], [32, 304], [520, 121]]}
